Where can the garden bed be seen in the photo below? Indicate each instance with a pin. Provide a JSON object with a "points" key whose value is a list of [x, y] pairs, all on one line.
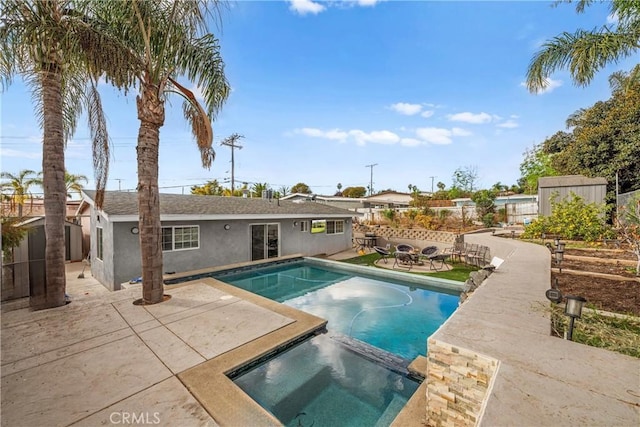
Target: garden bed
{"points": [[618, 294]]}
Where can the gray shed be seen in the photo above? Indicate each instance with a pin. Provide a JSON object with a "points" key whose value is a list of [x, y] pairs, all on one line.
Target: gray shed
{"points": [[592, 190], [28, 264]]}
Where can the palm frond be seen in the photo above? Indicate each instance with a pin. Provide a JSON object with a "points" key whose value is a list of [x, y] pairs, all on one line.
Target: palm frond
{"points": [[584, 53], [99, 141]]}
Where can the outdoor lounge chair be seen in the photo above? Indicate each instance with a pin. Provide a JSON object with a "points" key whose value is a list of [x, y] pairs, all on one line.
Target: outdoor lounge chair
{"points": [[428, 251], [383, 252], [405, 248], [403, 259]]}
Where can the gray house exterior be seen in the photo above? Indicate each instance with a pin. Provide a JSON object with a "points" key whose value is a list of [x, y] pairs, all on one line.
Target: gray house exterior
{"points": [[208, 231], [592, 190]]}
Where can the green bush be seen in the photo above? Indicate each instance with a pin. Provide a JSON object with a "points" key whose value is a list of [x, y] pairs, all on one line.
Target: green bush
{"points": [[571, 219], [487, 220]]}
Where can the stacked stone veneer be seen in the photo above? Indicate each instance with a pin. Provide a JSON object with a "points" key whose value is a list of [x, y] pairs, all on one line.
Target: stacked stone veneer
{"points": [[458, 382], [406, 233]]}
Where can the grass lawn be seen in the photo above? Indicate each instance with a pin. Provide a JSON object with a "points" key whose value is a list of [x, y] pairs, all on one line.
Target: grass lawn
{"points": [[459, 272]]}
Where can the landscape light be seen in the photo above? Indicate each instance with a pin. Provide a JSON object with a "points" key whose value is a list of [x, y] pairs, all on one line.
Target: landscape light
{"points": [[573, 309], [559, 254]]}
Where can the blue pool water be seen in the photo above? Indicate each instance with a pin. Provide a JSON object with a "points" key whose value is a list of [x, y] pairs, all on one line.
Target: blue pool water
{"points": [[396, 317]]}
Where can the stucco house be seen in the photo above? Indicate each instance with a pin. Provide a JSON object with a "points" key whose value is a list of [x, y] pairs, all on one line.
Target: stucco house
{"points": [[206, 231]]}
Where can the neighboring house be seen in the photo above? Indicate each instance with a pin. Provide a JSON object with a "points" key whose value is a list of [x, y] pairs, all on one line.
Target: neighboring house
{"points": [[28, 263], [388, 200], [591, 190], [350, 203], [35, 208], [209, 231]]}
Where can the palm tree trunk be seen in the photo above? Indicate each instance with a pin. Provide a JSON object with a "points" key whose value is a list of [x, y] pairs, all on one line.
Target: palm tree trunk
{"points": [[51, 293], [151, 115]]}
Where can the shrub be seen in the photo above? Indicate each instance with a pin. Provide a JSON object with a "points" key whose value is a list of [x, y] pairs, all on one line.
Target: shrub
{"points": [[572, 219], [487, 220]]}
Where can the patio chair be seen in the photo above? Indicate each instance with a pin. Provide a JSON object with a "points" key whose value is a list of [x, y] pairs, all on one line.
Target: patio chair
{"points": [[478, 257], [428, 251], [405, 248], [383, 252], [403, 259]]}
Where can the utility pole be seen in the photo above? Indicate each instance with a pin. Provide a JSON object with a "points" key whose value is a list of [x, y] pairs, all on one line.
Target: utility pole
{"points": [[432, 178], [231, 141], [371, 182], [119, 182]]}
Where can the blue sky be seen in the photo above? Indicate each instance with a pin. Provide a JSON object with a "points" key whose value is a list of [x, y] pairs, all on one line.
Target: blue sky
{"points": [[320, 90]]}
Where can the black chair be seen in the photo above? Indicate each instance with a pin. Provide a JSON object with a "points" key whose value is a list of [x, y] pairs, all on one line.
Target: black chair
{"points": [[428, 251], [383, 252], [403, 259], [404, 248]]}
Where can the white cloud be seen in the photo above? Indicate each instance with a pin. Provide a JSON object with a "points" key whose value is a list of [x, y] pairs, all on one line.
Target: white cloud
{"points": [[306, 6], [514, 116], [197, 92], [334, 134], [427, 113], [509, 124], [410, 142], [472, 118], [359, 136], [376, 137], [551, 85], [435, 135], [460, 132], [367, 2], [406, 109]]}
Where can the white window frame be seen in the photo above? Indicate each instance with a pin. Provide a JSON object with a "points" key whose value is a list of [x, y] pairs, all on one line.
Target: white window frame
{"points": [[304, 226], [335, 223], [99, 243], [173, 229]]}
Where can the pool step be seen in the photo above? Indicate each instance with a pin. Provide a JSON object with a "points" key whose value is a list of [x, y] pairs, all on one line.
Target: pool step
{"points": [[381, 357], [393, 409]]}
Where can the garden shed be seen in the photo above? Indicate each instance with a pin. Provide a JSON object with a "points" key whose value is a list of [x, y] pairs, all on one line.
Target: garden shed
{"points": [[591, 190]]}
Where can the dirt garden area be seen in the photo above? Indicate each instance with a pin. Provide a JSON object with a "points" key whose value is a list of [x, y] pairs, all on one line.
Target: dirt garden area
{"points": [[606, 278]]}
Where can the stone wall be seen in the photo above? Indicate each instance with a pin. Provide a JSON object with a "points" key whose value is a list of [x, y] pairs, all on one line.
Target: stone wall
{"points": [[394, 234], [458, 381]]}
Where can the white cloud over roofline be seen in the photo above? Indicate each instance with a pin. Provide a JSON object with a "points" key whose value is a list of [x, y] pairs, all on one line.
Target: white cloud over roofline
{"points": [[440, 136], [509, 124]]}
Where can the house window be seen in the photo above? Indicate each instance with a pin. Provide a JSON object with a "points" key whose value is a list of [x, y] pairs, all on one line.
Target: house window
{"points": [[179, 238], [304, 226], [99, 253], [335, 227]]}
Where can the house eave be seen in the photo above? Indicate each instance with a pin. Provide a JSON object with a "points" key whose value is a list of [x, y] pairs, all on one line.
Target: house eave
{"points": [[231, 217]]}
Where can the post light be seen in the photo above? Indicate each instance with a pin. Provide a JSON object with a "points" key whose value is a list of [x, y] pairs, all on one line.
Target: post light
{"points": [[561, 246], [559, 254], [573, 309], [556, 242], [513, 234]]}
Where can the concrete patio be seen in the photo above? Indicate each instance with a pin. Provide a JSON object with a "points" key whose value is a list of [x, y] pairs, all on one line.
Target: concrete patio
{"points": [[103, 361]]}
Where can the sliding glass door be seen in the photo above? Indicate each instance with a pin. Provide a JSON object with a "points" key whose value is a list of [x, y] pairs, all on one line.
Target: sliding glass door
{"points": [[264, 241]]}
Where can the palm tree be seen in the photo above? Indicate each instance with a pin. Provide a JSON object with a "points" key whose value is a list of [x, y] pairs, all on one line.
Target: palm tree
{"points": [[18, 186], [166, 41], [57, 48], [73, 183], [586, 52]]}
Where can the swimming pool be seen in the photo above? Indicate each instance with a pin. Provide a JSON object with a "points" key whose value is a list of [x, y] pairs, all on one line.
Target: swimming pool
{"points": [[393, 315]]}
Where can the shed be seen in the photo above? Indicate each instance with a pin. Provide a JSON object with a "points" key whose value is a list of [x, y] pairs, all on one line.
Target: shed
{"points": [[28, 264], [592, 190]]}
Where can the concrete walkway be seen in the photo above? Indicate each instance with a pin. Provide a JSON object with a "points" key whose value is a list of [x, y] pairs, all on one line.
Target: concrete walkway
{"points": [[541, 380]]}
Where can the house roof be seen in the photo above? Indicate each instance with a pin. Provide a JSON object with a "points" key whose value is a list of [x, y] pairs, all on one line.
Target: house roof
{"points": [[569, 181], [179, 206]]}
